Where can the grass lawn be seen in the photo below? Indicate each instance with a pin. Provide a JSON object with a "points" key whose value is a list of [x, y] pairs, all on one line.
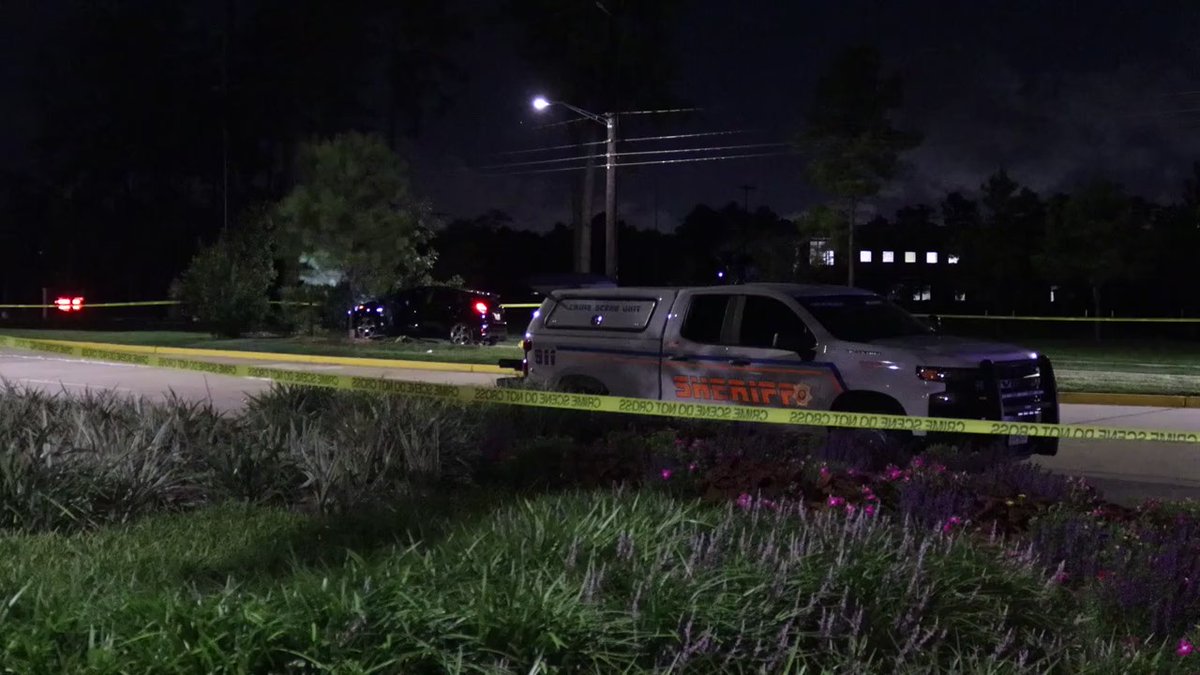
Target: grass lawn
{"points": [[327, 345]]}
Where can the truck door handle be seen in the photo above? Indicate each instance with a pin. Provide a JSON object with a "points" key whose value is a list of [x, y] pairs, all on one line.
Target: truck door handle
{"points": [[739, 362], [679, 357]]}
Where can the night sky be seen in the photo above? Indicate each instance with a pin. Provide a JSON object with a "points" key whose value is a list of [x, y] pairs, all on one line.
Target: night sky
{"points": [[1052, 91]]}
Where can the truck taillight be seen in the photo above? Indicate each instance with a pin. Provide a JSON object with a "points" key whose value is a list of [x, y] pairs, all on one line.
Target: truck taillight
{"points": [[481, 307], [526, 346]]}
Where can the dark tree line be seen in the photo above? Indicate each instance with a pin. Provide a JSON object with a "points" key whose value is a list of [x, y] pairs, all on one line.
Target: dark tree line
{"points": [[1102, 250]]}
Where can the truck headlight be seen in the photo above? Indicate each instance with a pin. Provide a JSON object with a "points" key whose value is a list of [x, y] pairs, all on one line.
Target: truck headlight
{"points": [[935, 374]]}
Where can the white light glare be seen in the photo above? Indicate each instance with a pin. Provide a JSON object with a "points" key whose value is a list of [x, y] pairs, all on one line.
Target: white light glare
{"points": [[540, 103]]}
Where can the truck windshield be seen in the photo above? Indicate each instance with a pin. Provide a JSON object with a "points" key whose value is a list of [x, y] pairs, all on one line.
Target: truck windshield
{"points": [[862, 318]]}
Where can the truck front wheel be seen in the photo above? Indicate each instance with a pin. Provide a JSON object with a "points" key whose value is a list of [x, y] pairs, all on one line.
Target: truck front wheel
{"points": [[869, 449]]}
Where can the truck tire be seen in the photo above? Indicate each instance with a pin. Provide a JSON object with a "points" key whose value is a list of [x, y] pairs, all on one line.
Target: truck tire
{"points": [[870, 449], [582, 385]]}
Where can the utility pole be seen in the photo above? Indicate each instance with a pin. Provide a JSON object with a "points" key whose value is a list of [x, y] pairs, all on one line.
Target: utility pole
{"points": [[746, 197], [584, 255], [228, 35], [610, 198]]}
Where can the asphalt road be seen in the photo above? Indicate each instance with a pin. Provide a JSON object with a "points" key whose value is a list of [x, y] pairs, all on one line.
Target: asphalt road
{"points": [[1125, 471], [57, 374]]}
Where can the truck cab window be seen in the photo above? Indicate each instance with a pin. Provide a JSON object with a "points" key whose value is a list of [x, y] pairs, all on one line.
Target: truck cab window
{"points": [[769, 324], [705, 320]]}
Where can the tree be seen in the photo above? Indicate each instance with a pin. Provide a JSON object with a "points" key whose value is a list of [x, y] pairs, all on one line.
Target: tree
{"points": [[353, 210], [852, 146], [1089, 239], [227, 283]]}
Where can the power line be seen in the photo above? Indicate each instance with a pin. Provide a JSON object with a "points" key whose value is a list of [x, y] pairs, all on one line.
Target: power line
{"points": [[697, 135], [661, 161], [622, 114], [660, 112], [669, 137], [711, 148], [709, 159], [708, 149], [544, 161]]}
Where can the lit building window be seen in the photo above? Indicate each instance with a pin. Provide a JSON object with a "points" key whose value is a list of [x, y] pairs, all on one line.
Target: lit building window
{"points": [[820, 253], [952, 260], [921, 294], [1052, 290], [864, 256], [960, 297], [931, 257], [889, 256], [910, 256]]}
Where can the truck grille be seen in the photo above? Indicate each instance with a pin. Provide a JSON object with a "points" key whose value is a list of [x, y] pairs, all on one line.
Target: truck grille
{"points": [[1021, 394]]}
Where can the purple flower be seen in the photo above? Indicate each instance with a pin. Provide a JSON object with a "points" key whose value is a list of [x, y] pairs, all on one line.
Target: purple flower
{"points": [[835, 501], [743, 501], [870, 509], [824, 471], [692, 466], [1185, 648], [666, 474]]}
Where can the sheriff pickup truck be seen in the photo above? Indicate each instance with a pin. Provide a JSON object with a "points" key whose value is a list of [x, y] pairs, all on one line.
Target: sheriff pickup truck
{"points": [[783, 345]]}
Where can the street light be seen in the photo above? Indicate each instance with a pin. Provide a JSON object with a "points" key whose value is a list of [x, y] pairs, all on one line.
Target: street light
{"points": [[609, 120]]}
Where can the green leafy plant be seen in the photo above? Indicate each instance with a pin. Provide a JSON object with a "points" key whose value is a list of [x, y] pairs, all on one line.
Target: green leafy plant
{"points": [[226, 285]]}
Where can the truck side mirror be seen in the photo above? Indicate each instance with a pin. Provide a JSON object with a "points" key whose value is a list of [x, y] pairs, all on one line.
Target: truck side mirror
{"points": [[804, 345]]}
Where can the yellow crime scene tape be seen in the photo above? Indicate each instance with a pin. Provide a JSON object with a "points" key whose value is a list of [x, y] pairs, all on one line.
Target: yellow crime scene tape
{"points": [[1094, 319], [605, 404], [535, 305], [149, 303]]}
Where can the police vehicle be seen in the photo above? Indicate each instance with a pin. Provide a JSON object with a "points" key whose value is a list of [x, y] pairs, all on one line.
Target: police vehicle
{"points": [[795, 346]]}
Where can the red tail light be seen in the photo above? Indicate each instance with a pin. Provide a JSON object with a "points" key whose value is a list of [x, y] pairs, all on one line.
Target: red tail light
{"points": [[481, 307]]}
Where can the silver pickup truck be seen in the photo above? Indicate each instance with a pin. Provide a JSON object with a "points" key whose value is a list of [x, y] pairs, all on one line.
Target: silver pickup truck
{"points": [[783, 345]]}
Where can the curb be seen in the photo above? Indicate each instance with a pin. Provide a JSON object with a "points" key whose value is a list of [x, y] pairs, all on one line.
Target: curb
{"points": [[1144, 400], [290, 358]]}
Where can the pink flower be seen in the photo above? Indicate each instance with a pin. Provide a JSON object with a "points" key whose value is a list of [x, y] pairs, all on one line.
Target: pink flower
{"points": [[850, 508], [918, 462], [825, 472], [768, 504], [870, 509], [951, 523], [1184, 647], [743, 501], [666, 474], [939, 468], [692, 466], [836, 501]]}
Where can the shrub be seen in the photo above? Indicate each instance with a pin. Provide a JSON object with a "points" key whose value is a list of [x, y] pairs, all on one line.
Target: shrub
{"points": [[226, 284]]}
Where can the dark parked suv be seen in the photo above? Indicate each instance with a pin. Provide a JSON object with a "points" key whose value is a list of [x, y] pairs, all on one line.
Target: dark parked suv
{"points": [[460, 316]]}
